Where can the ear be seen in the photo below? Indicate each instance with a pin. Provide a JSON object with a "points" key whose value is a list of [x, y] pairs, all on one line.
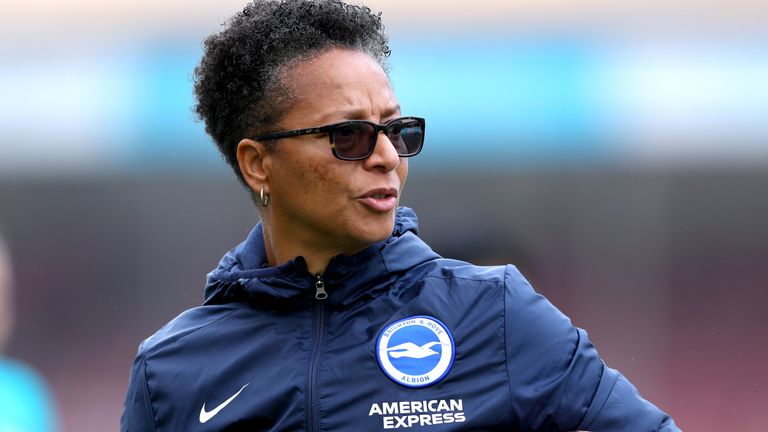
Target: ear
{"points": [[253, 160]]}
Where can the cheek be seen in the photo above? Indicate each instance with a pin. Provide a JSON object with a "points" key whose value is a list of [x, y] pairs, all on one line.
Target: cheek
{"points": [[317, 179], [402, 172], [318, 174]]}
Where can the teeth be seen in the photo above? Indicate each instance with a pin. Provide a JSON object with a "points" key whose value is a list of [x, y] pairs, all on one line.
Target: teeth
{"points": [[379, 196]]}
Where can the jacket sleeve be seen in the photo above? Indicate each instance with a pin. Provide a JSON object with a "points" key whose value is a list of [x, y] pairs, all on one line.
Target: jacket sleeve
{"points": [[557, 380], [137, 412]]}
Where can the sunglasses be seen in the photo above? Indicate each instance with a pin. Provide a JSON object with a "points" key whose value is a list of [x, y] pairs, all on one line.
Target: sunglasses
{"points": [[356, 139]]}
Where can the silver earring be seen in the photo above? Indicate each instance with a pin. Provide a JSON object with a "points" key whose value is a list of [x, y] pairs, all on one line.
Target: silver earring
{"points": [[264, 197]]}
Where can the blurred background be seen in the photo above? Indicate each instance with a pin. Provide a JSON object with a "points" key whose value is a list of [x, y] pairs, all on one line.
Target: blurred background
{"points": [[617, 152]]}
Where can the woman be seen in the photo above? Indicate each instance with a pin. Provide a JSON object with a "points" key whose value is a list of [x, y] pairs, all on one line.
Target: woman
{"points": [[333, 315]]}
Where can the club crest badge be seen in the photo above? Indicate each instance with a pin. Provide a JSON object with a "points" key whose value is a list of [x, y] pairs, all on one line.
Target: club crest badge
{"points": [[417, 351]]}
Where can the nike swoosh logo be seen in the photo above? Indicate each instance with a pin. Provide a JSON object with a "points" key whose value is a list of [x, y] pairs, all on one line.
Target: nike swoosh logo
{"points": [[207, 415]]}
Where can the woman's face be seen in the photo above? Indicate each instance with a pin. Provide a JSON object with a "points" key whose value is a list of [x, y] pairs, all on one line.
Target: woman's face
{"points": [[316, 200]]}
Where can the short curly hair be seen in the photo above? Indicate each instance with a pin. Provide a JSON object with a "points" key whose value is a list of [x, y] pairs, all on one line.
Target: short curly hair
{"points": [[239, 82]]}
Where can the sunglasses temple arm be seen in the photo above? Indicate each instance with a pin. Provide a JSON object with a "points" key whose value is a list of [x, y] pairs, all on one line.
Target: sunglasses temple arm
{"points": [[290, 134]]}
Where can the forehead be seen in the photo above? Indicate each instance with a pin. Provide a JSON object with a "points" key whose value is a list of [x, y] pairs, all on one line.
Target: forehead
{"points": [[338, 85]]}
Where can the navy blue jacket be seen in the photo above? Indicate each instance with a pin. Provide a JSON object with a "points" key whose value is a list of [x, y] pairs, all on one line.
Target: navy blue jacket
{"points": [[405, 340]]}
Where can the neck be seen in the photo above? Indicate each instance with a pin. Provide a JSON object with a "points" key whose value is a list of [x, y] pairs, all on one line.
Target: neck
{"points": [[281, 250]]}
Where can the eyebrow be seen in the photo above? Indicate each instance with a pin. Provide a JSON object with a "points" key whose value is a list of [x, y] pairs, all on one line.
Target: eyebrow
{"points": [[390, 111], [359, 114]]}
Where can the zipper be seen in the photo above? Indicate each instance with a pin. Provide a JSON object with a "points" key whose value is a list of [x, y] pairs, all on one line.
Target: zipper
{"points": [[320, 295]]}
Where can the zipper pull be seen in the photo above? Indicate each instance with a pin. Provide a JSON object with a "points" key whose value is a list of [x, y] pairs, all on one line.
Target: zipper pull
{"points": [[320, 293]]}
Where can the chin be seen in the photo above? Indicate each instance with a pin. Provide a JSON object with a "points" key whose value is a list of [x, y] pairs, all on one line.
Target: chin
{"points": [[376, 230], [377, 235]]}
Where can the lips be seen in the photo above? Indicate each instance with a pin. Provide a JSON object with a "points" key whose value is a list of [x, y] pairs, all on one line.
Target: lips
{"points": [[380, 199]]}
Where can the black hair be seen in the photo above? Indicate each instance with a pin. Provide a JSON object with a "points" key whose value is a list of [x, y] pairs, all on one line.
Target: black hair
{"points": [[239, 82]]}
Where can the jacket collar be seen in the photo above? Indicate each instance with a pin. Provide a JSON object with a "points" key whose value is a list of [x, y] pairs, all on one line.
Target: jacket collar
{"points": [[244, 275]]}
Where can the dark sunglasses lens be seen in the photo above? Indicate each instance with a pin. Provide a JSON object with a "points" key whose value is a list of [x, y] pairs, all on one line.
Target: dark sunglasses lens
{"points": [[352, 140], [407, 135]]}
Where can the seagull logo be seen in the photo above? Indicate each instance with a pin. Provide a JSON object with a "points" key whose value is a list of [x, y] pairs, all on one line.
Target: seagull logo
{"points": [[416, 351], [411, 350]]}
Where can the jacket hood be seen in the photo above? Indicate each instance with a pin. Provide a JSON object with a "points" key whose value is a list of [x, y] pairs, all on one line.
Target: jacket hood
{"points": [[244, 275]]}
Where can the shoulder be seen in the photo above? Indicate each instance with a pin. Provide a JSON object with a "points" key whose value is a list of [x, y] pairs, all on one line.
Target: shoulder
{"points": [[195, 322], [520, 299], [449, 269], [171, 362], [504, 280], [500, 291], [529, 318], [533, 324]]}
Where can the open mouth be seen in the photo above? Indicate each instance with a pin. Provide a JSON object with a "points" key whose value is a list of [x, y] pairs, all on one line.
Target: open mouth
{"points": [[380, 200]]}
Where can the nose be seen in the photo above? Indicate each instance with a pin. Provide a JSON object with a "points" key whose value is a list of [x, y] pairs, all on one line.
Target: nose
{"points": [[384, 156]]}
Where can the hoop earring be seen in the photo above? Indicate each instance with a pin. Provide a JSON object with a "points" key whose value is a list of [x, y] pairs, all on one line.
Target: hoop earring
{"points": [[264, 197]]}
